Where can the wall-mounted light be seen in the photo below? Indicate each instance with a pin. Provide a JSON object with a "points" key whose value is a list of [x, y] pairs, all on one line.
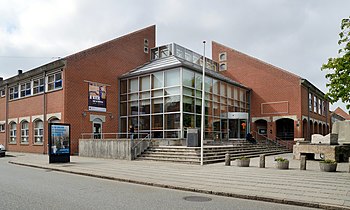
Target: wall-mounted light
{"points": [[84, 114]]}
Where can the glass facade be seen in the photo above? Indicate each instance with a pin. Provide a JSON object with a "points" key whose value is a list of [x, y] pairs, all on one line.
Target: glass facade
{"points": [[166, 103]]}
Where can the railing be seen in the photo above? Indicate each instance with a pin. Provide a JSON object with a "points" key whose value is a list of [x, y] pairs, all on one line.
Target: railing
{"points": [[277, 142], [140, 146], [112, 135]]}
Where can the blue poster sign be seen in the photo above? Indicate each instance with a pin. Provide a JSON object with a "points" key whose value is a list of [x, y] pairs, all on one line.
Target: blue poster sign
{"points": [[59, 143]]}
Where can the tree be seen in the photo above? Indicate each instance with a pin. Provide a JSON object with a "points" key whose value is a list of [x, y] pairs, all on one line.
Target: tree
{"points": [[339, 68]]}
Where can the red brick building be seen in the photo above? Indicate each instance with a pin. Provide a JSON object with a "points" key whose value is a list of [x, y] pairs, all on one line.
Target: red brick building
{"points": [[159, 94], [283, 105], [59, 92]]}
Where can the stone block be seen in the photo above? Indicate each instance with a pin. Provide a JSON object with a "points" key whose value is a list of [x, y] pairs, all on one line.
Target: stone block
{"points": [[342, 128], [331, 139]]}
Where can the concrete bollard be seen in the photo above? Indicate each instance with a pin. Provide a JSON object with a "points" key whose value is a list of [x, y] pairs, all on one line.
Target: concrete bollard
{"points": [[302, 162], [227, 159], [262, 161]]}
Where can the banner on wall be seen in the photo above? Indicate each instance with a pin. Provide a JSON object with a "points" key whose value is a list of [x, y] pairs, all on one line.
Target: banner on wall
{"points": [[97, 97]]}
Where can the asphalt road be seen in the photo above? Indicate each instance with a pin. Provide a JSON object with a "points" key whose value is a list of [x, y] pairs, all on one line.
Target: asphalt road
{"points": [[30, 188]]}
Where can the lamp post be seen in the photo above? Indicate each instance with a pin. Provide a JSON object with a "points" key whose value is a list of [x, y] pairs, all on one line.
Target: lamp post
{"points": [[203, 98]]}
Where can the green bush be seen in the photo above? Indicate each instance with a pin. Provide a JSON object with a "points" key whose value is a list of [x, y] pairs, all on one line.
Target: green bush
{"points": [[281, 159], [328, 161]]}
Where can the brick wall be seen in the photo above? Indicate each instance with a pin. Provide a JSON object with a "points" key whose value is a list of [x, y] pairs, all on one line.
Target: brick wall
{"points": [[103, 64]]}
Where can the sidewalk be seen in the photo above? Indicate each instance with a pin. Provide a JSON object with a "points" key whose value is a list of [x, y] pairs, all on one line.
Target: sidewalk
{"points": [[310, 188]]}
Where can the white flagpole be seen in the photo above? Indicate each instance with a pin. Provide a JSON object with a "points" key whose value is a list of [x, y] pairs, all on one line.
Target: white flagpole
{"points": [[203, 100]]}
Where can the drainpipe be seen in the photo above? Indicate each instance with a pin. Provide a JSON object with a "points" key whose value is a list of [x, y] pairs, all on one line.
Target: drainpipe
{"points": [[7, 129], [308, 113], [249, 109], [45, 144]]}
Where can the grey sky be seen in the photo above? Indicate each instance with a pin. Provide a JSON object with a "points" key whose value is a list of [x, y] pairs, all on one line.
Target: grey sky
{"points": [[296, 35]]}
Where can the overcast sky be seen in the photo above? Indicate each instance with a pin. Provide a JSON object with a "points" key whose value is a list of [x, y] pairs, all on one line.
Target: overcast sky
{"points": [[296, 35]]}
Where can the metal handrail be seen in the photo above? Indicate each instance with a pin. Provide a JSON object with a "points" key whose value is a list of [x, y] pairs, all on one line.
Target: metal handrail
{"points": [[277, 141], [114, 135], [142, 140]]}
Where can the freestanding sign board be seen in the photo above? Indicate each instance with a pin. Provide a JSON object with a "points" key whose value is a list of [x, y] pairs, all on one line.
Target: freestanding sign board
{"points": [[59, 143]]}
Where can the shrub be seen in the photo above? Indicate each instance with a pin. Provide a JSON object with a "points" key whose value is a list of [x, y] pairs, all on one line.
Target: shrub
{"points": [[243, 158], [281, 159], [329, 161]]}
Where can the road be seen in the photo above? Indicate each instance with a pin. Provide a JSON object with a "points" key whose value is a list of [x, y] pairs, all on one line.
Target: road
{"points": [[31, 188]]}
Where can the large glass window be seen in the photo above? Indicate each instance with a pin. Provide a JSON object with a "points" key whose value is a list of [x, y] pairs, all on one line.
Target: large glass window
{"points": [[172, 104], [157, 80], [13, 132], [157, 105], [172, 77], [145, 83], [133, 85], [24, 132], [38, 131], [156, 102], [188, 78], [172, 121]]}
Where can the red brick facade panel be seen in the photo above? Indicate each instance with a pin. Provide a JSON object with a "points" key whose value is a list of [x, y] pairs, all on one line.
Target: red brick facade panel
{"points": [[270, 84], [275, 108], [101, 64]]}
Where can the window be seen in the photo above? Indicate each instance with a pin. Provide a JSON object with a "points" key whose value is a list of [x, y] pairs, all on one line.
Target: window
{"points": [[319, 106], [38, 86], [310, 102], [2, 127], [38, 131], [2, 92], [172, 78], [54, 81], [13, 132], [14, 92], [315, 104], [24, 132], [223, 67], [222, 56], [26, 89]]}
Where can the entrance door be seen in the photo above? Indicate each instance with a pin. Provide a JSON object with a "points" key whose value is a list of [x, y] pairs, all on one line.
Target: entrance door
{"points": [[233, 128], [237, 128], [97, 128]]}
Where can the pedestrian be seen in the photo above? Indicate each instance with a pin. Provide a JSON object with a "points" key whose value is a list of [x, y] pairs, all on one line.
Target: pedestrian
{"points": [[131, 131]]}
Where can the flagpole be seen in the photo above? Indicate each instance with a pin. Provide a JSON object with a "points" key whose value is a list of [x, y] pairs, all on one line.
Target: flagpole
{"points": [[203, 100]]}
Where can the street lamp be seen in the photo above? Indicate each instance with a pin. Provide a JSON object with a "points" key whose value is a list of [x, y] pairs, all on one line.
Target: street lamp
{"points": [[203, 98]]}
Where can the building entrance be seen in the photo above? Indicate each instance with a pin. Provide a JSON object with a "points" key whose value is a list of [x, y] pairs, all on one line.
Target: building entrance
{"points": [[97, 128], [237, 128]]}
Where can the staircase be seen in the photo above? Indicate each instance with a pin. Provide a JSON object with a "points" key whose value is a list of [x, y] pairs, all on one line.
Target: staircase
{"points": [[211, 153]]}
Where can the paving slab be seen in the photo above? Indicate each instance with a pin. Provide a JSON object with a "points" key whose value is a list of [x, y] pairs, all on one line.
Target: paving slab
{"points": [[310, 188]]}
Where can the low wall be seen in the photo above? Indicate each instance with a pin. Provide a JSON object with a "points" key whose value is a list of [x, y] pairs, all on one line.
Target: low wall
{"points": [[342, 128], [105, 148], [337, 153]]}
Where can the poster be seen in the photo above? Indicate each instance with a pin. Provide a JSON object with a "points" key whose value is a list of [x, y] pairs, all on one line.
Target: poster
{"points": [[97, 97], [59, 143], [59, 139]]}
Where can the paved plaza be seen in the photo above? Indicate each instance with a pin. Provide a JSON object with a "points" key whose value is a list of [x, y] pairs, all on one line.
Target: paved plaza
{"points": [[306, 188]]}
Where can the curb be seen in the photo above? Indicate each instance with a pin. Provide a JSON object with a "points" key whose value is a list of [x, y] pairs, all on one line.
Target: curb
{"points": [[233, 195]]}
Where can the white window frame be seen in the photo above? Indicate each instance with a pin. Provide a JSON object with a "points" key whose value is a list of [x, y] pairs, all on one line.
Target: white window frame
{"points": [[24, 132], [26, 89], [40, 87], [12, 92], [13, 132], [53, 85], [2, 92], [38, 132], [2, 127], [315, 104]]}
